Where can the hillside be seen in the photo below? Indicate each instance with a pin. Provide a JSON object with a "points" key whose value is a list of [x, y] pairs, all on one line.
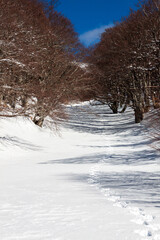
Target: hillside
{"points": [[96, 179]]}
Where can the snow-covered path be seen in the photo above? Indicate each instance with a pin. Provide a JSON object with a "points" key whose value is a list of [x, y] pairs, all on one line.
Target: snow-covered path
{"points": [[99, 180]]}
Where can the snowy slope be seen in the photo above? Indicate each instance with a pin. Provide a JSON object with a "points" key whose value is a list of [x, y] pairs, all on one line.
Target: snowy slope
{"points": [[96, 180]]}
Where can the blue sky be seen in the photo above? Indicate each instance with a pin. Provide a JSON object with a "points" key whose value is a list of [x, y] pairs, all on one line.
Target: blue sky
{"points": [[91, 17]]}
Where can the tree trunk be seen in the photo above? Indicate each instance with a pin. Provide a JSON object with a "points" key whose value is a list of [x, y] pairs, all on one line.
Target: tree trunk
{"points": [[138, 114], [147, 93], [156, 100], [114, 107], [38, 120], [124, 108]]}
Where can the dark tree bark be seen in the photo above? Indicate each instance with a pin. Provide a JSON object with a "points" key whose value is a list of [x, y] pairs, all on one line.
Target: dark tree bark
{"points": [[114, 107], [38, 120], [138, 114]]}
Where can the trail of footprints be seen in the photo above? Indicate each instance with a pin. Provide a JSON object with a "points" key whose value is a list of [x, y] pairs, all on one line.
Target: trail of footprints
{"points": [[149, 230]]}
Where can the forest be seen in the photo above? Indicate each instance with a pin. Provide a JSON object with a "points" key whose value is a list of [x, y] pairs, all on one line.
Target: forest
{"points": [[43, 65]]}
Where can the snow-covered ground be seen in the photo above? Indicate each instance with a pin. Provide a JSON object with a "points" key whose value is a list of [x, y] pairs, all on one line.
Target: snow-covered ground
{"points": [[96, 180]]}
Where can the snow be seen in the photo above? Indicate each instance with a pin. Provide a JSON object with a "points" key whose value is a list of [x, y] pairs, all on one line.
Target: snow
{"points": [[81, 65], [12, 61], [97, 179]]}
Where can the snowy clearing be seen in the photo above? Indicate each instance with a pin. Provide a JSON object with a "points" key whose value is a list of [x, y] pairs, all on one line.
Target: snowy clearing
{"points": [[96, 180]]}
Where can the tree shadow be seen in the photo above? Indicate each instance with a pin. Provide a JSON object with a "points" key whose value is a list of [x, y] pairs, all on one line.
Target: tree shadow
{"points": [[100, 120], [18, 142], [138, 188], [144, 157]]}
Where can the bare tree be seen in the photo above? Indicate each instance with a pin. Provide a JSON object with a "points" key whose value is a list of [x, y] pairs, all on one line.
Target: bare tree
{"points": [[38, 52], [127, 60]]}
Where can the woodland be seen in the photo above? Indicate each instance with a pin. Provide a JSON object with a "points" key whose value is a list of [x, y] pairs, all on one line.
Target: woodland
{"points": [[43, 65]]}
